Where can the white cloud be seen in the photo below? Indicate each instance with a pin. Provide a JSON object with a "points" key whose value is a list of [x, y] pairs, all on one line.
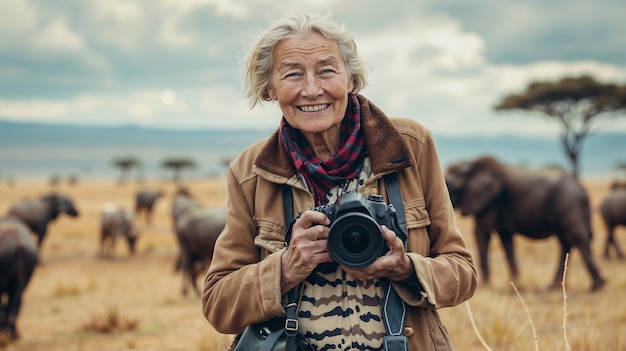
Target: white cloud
{"points": [[119, 10], [56, 35], [17, 17], [172, 36]]}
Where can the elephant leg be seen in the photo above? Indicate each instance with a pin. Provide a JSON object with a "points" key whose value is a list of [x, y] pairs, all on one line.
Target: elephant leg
{"points": [[13, 309], [592, 267], [482, 241], [506, 238]]}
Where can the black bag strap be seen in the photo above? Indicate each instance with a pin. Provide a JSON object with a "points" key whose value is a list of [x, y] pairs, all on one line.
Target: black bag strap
{"points": [[394, 308], [291, 322]]}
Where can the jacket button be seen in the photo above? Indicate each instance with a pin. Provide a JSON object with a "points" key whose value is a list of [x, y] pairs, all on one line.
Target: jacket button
{"points": [[408, 332]]}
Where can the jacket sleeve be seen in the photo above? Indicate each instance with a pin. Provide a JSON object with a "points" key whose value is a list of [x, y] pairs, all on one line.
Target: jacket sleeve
{"points": [[442, 261], [240, 288]]}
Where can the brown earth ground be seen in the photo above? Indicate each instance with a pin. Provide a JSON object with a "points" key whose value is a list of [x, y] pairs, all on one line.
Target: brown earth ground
{"points": [[78, 301]]}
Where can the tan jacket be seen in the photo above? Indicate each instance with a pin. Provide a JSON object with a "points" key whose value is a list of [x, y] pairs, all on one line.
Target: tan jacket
{"points": [[243, 282]]}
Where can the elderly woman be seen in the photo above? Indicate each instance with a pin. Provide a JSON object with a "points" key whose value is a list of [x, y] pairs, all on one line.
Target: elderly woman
{"points": [[332, 141]]}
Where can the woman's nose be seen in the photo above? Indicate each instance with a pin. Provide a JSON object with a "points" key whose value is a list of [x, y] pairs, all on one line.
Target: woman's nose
{"points": [[312, 87]]}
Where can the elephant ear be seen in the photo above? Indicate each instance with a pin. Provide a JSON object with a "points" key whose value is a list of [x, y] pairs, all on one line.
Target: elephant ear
{"points": [[482, 189]]}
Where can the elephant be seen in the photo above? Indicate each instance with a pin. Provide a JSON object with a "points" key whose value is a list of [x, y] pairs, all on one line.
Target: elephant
{"points": [[145, 201], [37, 213], [116, 222], [18, 259], [613, 210], [196, 229], [532, 203]]}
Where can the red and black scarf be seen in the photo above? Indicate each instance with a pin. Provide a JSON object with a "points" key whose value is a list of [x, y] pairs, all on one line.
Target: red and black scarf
{"points": [[346, 164]]}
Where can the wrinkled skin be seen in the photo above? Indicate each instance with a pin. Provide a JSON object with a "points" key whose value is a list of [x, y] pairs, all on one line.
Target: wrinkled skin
{"points": [[196, 229], [116, 222], [613, 210], [18, 258], [37, 213], [536, 205], [145, 201]]}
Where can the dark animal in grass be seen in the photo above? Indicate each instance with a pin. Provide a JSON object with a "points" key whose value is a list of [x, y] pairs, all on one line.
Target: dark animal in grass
{"points": [[116, 222], [197, 229], [183, 202], [145, 201], [613, 210], [37, 213], [18, 258], [534, 204]]}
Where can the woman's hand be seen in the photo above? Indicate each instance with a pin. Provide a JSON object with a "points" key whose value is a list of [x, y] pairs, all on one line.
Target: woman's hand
{"points": [[307, 249], [394, 264]]}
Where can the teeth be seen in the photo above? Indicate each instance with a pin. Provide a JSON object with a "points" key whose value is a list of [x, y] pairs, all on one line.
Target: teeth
{"points": [[313, 108]]}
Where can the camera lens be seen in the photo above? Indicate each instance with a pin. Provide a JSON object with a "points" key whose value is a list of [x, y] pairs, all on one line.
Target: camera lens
{"points": [[355, 240]]}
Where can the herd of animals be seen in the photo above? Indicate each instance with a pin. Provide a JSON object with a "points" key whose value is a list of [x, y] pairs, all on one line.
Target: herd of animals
{"points": [[24, 226], [500, 199]]}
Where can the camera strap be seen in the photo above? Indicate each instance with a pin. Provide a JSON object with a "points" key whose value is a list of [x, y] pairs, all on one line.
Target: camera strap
{"points": [[393, 307], [395, 199], [291, 323]]}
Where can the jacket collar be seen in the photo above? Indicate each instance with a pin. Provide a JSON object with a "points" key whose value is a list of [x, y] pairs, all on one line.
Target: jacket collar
{"points": [[385, 146]]}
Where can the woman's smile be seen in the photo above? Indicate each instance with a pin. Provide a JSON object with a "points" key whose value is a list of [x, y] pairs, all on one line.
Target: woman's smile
{"points": [[313, 108]]}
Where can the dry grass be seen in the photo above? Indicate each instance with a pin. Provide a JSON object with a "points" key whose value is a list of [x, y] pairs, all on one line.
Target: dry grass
{"points": [[111, 320], [73, 288]]}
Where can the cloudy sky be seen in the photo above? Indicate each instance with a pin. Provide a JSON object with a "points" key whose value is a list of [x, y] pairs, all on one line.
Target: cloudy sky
{"points": [[176, 63]]}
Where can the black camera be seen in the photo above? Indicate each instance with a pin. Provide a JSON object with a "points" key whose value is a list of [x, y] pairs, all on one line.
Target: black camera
{"points": [[355, 239]]}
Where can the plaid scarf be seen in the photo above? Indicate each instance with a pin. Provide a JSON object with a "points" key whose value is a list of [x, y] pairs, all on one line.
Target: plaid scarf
{"points": [[346, 164]]}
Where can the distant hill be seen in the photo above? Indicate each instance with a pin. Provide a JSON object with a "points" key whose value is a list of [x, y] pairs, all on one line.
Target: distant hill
{"points": [[36, 151]]}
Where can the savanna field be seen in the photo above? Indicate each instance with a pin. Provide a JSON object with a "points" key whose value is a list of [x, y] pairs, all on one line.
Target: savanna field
{"points": [[77, 301]]}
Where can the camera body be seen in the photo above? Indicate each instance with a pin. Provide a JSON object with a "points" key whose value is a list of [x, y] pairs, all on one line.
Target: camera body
{"points": [[355, 239]]}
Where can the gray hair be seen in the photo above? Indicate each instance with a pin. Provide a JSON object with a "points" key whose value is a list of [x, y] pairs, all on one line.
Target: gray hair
{"points": [[259, 63]]}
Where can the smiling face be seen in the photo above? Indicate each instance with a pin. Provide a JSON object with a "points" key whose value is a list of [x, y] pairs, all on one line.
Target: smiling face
{"points": [[310, 82]]}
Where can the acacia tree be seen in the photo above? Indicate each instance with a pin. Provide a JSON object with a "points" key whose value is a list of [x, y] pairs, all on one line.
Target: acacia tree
{"points": [[575, 103], [126, 165], [177, 165]]}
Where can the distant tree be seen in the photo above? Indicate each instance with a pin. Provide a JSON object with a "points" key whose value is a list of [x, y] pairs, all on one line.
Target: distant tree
{"points": [[575, 103], [126, 165], [177, 166]]}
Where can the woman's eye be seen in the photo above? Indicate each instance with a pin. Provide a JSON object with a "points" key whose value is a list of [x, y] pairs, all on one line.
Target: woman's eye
{"points": [[292, 75], [326, 72]]}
